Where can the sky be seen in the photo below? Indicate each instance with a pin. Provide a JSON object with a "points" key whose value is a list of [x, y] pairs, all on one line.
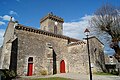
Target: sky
{"points": [[76, 14]]}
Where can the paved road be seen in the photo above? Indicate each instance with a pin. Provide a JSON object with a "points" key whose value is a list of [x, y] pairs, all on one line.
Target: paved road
{"points": [[77, 77]]}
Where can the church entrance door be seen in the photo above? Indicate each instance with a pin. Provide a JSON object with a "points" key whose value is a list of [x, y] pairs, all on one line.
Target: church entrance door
{"points": [[30, 66], [62, 66]]}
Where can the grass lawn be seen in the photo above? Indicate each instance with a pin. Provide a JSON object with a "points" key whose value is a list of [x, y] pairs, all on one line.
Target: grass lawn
{"points": [[52, 78], [102, 73]]}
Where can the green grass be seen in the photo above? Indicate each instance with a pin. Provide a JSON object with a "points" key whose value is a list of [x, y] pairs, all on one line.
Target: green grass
{"points": [[52, 78], [102, 73]]}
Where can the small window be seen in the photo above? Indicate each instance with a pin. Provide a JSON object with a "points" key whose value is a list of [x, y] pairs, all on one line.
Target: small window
{"points": [[30, 59], [55, 29], [45, 28], [49, 45], [111, 57]]}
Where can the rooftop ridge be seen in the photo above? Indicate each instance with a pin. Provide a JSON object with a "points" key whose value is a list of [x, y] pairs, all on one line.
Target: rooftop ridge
{"points": [[30, 29], [76, 43], [97, 39]]}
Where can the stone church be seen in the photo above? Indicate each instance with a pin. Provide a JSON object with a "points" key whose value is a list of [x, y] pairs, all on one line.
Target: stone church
{"points": [[28, 51]]}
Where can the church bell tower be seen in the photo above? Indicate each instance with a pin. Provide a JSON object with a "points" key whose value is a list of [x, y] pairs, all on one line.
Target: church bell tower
{"points": [[52, 23]]}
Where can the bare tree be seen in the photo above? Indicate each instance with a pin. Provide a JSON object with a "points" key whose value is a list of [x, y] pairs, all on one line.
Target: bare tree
{"points": [[107, 19]]}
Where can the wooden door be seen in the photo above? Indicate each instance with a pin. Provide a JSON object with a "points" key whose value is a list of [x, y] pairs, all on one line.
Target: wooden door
{"points": [[62, 66], [30, 69]]}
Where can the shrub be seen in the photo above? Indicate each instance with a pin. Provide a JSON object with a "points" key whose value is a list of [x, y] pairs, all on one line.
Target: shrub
{"points": [[114, 72], [43, 72], [12, 73], [7, 74]]}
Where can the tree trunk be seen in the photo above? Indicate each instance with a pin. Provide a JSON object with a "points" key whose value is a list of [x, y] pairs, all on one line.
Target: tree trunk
{"points": [[117, 56]]}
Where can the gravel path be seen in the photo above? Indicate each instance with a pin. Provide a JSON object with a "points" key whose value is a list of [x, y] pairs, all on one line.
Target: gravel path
{"points": [[86, 77], [76, 77]]}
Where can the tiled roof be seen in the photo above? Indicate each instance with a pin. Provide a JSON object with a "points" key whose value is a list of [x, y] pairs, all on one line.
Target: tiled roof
{"points": [[30, 29], [76, 43]]}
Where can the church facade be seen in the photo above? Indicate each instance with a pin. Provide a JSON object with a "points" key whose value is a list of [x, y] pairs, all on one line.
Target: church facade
{"points": [[29, 51]]}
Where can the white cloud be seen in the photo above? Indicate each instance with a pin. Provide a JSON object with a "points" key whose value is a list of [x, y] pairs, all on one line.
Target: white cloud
{"points": [[7, 17], [2, 31], [87, 17], [2, 23], [13, 13], [76, 29]]}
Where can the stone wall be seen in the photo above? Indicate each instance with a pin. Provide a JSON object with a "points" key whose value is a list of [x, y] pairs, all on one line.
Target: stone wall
{"points": [[97, 55], [36, 45], [110, 59], [48, 25], [6, 50], [52, 23], [78, 59]]}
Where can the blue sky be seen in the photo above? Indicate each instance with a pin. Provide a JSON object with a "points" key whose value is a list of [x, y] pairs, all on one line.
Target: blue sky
{"points": [[76, 13], [29, 12]]}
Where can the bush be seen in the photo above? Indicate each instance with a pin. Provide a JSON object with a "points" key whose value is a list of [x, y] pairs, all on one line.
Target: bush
{"points": [[7, 74], [114, 72], [43, 72]]}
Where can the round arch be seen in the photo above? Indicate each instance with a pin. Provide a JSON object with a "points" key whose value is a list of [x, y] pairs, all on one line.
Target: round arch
{"points": [[30, 66], [62, 66]]}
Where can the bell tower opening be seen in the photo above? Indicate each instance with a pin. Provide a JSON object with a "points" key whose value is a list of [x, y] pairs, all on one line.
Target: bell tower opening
{"points": [[52, 23], [55, 29]]}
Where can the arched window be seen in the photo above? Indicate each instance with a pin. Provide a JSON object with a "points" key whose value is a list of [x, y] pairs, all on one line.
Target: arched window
{"points": [[30, 59], [55, 29], [45, 28]]}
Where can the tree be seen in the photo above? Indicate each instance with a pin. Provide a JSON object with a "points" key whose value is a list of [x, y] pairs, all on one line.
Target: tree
{"points": [[107, 19]]}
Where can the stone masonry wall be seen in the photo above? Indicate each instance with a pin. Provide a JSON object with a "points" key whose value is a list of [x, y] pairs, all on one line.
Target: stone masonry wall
{"points": [[35, 45], [48, 25], [6, 50], [78, 59], [97, 55]]}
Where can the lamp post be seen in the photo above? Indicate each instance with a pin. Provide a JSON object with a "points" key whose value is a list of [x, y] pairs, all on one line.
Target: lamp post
{"points": [[87, 34]]}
